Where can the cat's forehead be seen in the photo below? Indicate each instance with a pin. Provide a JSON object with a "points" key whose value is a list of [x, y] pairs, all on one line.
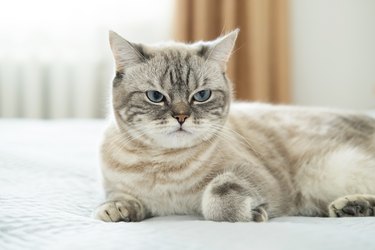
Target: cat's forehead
{"points": [[175, 56], [178, 71], [177, 68]]}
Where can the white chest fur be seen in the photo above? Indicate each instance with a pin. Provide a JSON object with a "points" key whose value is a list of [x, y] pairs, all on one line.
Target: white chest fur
{"points": [[159, 197]]}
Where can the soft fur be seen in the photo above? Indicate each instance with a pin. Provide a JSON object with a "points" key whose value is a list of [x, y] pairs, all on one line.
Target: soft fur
{"points": [[227, 161]]}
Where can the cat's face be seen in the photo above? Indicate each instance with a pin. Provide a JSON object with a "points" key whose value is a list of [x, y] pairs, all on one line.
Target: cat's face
{"points": [[172, 96]]}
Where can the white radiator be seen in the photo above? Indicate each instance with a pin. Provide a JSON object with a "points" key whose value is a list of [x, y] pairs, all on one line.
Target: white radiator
{"points": [[37, 89]]}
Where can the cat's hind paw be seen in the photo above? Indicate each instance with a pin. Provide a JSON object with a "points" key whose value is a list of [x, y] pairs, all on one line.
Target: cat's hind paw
{"points": [[352, 206], [260, 214]]}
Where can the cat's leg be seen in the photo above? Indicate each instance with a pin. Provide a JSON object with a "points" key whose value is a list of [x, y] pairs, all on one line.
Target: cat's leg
{"points": [[120, 208], [353, 205], [229, 198]]}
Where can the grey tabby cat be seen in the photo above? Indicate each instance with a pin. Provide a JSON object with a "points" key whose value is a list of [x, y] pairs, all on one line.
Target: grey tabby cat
{"points": [[178, 145]]}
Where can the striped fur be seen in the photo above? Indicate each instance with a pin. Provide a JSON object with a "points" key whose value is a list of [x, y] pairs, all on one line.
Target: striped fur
{"points": [[239, 162]]}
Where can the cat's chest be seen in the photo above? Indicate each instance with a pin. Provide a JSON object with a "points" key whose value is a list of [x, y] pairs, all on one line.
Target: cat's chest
{"points": [[162, 193], [164, 200]]}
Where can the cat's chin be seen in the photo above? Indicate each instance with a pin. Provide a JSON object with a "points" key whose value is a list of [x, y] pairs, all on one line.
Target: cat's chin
{"points": [[177, 139]]}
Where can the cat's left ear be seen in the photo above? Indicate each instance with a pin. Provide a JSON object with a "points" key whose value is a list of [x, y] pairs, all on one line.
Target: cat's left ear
{"points": [[126, 54], [219, 50]]}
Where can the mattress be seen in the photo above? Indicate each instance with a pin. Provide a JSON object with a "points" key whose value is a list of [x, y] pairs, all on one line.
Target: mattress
{"points": [[50, 185]]}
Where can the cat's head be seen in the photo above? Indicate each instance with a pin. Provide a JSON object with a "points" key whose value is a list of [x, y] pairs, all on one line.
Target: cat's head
{"points": [[172, 95]]}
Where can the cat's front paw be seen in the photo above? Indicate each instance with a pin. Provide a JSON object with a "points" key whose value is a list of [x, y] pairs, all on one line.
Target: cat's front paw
{"points": [[115, 211], [226, 198]]}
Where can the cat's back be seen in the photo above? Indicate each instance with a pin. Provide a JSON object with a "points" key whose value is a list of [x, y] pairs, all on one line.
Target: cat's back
{"points": [[293, 120], [299, 134]]}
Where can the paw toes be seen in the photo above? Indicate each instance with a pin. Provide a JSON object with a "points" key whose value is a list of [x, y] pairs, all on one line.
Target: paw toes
{"points": [[350, 206], [112, 212], [260, 214], [350, 210], [124, 213]]}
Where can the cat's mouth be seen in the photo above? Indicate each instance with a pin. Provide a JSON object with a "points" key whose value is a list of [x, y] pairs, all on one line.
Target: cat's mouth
{"points": [[179, 131]]}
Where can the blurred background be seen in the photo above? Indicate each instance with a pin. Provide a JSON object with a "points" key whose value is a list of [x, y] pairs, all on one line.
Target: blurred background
{"points": [[55, 60]]}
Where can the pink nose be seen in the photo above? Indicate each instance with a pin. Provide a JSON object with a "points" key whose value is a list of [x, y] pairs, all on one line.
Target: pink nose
{"points": [[181, 118]]}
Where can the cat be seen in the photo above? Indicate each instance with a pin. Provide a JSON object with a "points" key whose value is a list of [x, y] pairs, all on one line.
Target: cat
{"points": [[177, 145]]}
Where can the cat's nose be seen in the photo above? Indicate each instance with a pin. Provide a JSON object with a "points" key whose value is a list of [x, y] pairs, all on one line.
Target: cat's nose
{"points": [[181, 118]]}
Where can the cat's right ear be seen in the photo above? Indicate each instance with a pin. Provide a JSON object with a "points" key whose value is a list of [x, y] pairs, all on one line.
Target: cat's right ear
{"points": [[126, 54]]}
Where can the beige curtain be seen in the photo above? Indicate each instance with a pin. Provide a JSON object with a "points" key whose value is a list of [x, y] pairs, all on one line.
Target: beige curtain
{"points": [[259, 67]]}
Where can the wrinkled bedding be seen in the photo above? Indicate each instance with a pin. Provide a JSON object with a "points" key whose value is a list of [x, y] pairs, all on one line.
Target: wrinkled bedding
{"points": [[49, 187]]}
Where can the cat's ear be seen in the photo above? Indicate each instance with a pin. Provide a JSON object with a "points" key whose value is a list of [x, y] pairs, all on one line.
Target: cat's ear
{"points": [[219, 50], [126, 54]]}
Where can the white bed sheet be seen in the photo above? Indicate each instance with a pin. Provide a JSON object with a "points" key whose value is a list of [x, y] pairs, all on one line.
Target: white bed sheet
{"points": [[49, 187]]}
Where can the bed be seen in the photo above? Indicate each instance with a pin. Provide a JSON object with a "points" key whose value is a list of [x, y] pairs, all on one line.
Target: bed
{"points": [[49, 186]]}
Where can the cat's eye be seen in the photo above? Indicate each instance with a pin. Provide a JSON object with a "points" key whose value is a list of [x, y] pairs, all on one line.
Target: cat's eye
{"points": [[154, 96], [202, 95]]}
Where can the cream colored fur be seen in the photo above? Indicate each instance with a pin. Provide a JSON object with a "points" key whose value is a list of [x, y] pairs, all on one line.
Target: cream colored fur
{"points": [[313, 173], [238, 162]]}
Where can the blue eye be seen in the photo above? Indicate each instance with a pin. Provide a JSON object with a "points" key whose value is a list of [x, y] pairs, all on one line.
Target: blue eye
{"points": [[154, 96], [202, 95]]}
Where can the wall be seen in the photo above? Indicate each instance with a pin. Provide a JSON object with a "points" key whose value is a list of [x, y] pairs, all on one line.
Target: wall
{"points": [[333, 53], [55, 58]]}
